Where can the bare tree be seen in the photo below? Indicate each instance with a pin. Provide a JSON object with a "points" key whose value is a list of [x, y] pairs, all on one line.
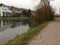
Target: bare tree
{"points": [[44, 12]]}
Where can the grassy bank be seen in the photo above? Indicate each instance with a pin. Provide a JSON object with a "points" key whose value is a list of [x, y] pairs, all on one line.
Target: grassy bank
{"points": [[13, 18], [23, 38]]}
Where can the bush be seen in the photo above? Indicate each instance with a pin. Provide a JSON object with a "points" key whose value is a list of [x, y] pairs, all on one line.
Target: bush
{"points": [[42, 14]]}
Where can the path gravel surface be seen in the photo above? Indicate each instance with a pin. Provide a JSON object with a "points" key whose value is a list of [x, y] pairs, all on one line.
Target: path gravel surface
{"points": [[50, 35]]}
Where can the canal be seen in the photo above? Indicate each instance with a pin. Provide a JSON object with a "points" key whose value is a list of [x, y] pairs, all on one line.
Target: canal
{"points": [[10, 29]]}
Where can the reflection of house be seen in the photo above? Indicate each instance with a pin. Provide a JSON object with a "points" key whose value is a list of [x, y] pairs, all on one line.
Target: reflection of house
{"points": [[4, 10], [4, 25]]}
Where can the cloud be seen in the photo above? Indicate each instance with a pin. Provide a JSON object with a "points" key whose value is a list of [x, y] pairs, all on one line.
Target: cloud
{"points": [[29, 3], [20, 3]]}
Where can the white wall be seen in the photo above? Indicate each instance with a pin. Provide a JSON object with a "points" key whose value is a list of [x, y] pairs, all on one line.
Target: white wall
{"points": [[0, 10], [4, 9]]}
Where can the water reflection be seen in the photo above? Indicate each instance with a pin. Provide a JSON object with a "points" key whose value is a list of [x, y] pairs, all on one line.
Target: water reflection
{"points": [[11, 24]]}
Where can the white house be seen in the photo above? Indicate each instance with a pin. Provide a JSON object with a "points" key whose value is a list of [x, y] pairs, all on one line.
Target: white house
{"points": [[5, 11]]}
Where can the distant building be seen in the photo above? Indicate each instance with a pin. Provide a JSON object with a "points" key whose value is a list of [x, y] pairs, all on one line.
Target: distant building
{"points": [[4, 10], [16, 11]]}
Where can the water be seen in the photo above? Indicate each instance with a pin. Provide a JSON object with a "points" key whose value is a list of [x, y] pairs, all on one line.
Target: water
{"points": [[9, 29]]}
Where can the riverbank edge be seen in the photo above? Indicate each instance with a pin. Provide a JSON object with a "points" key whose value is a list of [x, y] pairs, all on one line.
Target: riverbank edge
{"points": [[13, 18], [25, 37]]}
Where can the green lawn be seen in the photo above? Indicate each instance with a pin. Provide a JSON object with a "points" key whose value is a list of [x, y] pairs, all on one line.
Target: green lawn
{"points": [[13, 18]]}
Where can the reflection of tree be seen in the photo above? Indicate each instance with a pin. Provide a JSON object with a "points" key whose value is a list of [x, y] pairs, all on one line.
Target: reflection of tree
{"points": [[24, 22], [13, 25]]}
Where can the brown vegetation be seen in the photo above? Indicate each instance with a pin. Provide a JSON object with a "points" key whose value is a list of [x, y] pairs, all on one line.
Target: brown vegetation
{"points": [[43, 13]]}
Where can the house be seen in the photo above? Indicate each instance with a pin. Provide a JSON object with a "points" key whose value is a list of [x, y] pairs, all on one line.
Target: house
{"points": [[16, 11], [20, 11], [5, 11]]}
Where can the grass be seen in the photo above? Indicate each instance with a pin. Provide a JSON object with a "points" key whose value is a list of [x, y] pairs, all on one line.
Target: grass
{"points": [[13, 18], [25, 37]]}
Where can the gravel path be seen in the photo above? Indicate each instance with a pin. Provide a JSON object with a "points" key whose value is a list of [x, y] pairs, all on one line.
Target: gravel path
{"points": [[50, 35]]}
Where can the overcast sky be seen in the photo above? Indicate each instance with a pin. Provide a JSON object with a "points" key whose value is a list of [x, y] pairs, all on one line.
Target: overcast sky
{"points": [[30, 4]]}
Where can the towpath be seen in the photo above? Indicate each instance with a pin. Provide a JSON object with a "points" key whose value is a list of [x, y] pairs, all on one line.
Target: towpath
{"points": [[50, 35]]}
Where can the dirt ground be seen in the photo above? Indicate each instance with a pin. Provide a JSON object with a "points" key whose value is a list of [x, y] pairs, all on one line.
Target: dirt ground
{"points": [[50, 35]]}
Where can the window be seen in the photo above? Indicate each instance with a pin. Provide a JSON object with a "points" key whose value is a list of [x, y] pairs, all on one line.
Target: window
{"points": [[8, 14], [4, 13]]}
